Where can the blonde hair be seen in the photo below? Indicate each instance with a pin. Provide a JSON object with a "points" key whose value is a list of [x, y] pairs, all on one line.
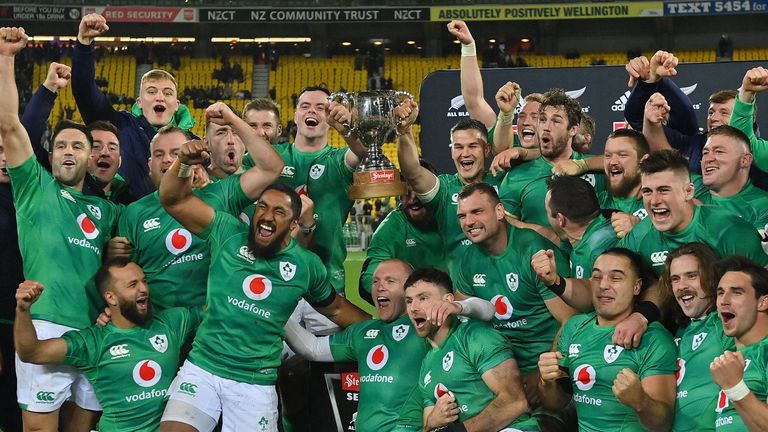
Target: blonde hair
{"points": [[157, 74]]}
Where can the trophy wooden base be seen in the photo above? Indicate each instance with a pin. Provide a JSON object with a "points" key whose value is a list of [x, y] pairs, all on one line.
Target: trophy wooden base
{"points": [[377, 184]]}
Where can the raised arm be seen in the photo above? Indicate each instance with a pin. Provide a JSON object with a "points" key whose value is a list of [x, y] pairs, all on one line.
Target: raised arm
{"points": [[29, 348], [656, 114], [421, 179], [267, 163], [91, 101], [339, 118], [507, 98], [15, 139], [306, 344], [471, 79], [176, 189], [576, 293], [728, 372], [39, 107], [742, 118]]}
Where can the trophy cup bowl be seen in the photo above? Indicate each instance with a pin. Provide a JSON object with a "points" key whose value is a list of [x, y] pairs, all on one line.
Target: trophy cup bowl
{"points": [[373, 120]]}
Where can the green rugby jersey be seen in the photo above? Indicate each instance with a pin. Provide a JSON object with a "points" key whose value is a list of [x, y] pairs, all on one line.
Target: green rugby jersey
{"points": [[525, 187], [471, 349], [751, 204], [249, 300], [386, 354], [444, 208], [698, 344], [755, 377], [174, 260], [593, 363], [726, 233], [510, 283], [598, 238], [324, 177], [396, 237], [631, 205], [62, 235], [131, 369]]}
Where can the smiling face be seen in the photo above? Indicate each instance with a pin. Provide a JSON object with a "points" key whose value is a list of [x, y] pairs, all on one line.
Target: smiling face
{"points": [[273, 220], [69, 157], [614, 287], [265, 123], [129, 290], [685, 279], [480, 219], [719, 113], [737, 305], [668, 199], [310, 116], [158, 101], [554, 133], [526, 124], [387, 291], [104, 160], [468, 151], [622, 166], [724, 160]]}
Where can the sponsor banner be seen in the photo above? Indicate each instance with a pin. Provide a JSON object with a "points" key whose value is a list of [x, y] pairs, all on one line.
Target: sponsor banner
{"points": [[548, 11], [296, 15], [39, 13], [601, 90], [144, 14], [728, 7]]}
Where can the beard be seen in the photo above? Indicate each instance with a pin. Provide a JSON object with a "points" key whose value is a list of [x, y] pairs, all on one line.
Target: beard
{"points": [[557, 148], [426, 223], [268, 250], [132, 314], [624, 187]]}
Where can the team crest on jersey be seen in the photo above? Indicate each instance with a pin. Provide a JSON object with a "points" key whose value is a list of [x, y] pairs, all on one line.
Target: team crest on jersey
{"points": [[611, 353], [579, 272], [287, 270], [698, 340], [448, 361], [159, 342], [95, 211], [399, 332], [512, 281], [66, 195], [590, 178], [316, 170], [642, 213]]}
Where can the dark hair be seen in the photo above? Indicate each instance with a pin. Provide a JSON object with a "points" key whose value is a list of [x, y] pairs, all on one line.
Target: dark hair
{"points": [[263, 104], [706, 258], [730, 132], [292, 194], [574, 198], [102, 125], [587, 123], [434, 276], [320, 87], [665, 160], [69, 124], [103, 276], [470, 124], [637, 265], [428, 165], [558, 99], [638, 140], [723, 96], [758, 275], [480, 187]]}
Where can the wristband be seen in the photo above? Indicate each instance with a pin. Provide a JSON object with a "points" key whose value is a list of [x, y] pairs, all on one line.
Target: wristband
{"points": [[737, 392], [184, 170], [468, 50], [506, 118], [649, 310], [558, 287], [582, 164]]}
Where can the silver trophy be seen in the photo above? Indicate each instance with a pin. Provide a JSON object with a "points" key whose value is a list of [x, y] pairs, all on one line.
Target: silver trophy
{"points": [[373, 120]]}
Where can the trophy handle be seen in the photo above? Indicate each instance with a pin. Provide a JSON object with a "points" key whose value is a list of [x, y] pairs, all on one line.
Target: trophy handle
{"points": [[344, 99]]}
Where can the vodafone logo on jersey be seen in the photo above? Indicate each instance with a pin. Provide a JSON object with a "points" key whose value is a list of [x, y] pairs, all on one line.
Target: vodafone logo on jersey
{"points": [[147, 373], [377, 357], [722, 402], [178, 241], [440, 389], [680, 374], [302, 190], [584, 377], [87, 226], [257, 287], [503, 307]]}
